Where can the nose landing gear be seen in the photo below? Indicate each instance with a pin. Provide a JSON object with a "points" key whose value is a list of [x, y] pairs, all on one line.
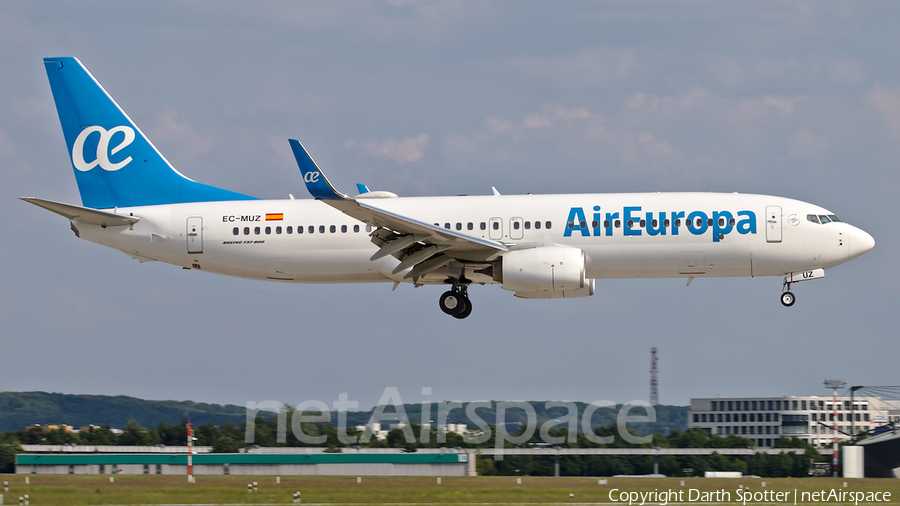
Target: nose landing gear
{"points": [[787, 298], [456, 302]]}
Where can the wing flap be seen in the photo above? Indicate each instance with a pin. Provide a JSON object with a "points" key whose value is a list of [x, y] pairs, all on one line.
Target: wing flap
{"points": [[322, 189], [83, 214]]}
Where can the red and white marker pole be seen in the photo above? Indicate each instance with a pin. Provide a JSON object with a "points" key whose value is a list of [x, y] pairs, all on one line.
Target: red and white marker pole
{"points": [[834, 384], [834, 460], [190, 461]]}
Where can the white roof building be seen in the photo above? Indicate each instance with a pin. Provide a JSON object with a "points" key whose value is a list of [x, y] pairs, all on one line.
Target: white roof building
{"points": [[767, 419]]}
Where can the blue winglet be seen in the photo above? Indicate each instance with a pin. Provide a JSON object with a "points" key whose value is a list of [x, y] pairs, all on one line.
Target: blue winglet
{"points": [[361, 188], [316, 182]]}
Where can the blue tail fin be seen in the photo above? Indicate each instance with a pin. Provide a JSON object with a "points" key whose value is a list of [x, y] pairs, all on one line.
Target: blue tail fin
{"points": [[115, 164]]}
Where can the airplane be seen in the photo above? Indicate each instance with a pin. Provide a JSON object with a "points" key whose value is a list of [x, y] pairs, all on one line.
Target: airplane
{"points": [[537, 246]]}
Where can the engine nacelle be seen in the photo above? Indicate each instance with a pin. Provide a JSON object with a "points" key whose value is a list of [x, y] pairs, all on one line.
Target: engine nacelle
{"points": [[587, 291], [543, 269]]}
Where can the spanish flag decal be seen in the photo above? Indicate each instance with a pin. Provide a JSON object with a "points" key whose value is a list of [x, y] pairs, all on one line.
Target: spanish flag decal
{"points": [[274, 216]]}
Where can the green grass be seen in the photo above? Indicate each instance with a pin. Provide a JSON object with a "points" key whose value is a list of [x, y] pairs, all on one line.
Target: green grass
{"points": [[144, 489]]}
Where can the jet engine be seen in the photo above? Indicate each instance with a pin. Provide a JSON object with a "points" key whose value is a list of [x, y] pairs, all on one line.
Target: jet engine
{"points": [[542, 269]]}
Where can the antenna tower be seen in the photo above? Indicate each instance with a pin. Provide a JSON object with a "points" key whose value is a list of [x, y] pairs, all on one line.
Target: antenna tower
{"points": [[654, 382]]}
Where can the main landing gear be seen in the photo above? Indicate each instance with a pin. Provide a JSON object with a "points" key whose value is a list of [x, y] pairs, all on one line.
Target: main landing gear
{"points": [[456, 302]]}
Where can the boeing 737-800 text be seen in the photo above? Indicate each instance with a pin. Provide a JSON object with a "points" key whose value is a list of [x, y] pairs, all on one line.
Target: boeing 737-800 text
{"points": [[538, 246]]}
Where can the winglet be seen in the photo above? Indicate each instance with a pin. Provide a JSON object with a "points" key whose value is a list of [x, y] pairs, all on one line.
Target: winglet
{"points": [[316, 182], [361, 188]]}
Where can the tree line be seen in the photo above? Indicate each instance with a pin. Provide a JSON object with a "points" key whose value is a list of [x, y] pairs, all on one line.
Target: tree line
{"points": [[229, 438]]}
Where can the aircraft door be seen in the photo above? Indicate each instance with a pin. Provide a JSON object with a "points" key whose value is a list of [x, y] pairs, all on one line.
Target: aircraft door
{"points": [[495, 228], [195, 234], [773, 224], [516, 228]]}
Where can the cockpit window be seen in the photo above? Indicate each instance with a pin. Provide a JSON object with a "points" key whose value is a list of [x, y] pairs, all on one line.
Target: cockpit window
{"points": [[835, 218], [812, 217], [824, 219]]}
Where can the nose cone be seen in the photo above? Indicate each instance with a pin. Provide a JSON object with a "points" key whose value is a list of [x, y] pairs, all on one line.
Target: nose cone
{"points": [[858, 242]]}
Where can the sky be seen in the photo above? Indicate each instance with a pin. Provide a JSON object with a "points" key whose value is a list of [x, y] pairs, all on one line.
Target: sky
{"points": [[798, 99]]}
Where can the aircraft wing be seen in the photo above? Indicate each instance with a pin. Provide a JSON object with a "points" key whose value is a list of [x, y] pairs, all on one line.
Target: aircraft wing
{"points": [[83, 214], [406, 238]]}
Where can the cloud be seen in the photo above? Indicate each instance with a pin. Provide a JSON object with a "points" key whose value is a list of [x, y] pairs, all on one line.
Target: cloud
{"points": [[181, 136], [406, 150], [784, 105], [582, 69], [847, 71], [886, 102], [551, 117], [804, 144], [560, 126]]}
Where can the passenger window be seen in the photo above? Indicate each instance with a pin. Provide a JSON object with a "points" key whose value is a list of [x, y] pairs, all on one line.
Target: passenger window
{"points": [[246, 230], [447, 226], [368, 228], [677, 222], [277, 230], [655, 223], [812, 218], [268, 230], [537, 225], [547, 225], [643, 223], [527, 225], [356, 228], [300, 230], [595, 224], [731, 222], [516, 225], [666, 222], [236, 231], [256, 230], [313, 229], [618, 223], [343, 229], [470, 226], [824, 219], [582, 224], [321, 229], [332, 229], [721, 222], [483, 226], [605, 223], [571, 225], [496, 225], [458, 226], [290, 230], [699, 222], [630, 223], [709, 222]]}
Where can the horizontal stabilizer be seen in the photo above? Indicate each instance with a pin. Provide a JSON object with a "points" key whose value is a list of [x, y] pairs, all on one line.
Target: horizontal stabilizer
{"points": [[84, 214]]}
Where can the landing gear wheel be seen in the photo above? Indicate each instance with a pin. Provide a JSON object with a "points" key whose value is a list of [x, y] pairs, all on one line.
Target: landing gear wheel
{"points": [[456, 304], [787, 299], [452, 303], [467, 309]]}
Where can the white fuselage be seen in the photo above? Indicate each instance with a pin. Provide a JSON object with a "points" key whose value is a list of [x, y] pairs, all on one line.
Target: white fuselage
{"points": [[768, 235]]}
